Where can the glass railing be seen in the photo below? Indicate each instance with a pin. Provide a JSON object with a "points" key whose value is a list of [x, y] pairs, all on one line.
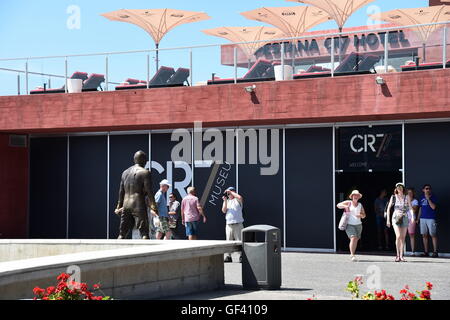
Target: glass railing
{"points": [[361, 51]]}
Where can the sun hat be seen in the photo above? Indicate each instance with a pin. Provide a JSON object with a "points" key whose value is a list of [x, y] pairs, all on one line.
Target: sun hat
{"points": [[355, 192], [165, 182]]}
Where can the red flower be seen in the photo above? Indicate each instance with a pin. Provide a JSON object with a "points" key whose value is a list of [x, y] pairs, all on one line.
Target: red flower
{"points": [[63, 277], [38, 291], [429, 286], [96, 286], [411, 296], [84, 287], [51, 290], [425, 295]]}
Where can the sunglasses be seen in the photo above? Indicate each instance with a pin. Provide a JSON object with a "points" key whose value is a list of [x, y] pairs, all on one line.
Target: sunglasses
{"points": [[427, 188]]}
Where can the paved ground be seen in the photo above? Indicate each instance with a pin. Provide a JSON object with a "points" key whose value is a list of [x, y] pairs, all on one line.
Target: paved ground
{"points": [[325, 276]]}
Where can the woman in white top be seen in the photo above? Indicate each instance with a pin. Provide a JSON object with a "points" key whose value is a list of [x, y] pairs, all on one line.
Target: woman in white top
{"points": [[400, 220], [355, 212]]}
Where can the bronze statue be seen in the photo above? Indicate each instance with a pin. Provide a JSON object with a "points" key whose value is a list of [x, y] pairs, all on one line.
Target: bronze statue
{"points": [[135, 186]]}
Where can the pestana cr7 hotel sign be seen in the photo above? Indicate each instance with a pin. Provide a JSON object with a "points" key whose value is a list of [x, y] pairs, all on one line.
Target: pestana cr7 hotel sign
{"points": [[322, 47], [319, 48]]}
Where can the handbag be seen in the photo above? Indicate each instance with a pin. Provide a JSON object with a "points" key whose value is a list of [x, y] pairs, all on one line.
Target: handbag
{"points": [[344, 220], [398, 219]]}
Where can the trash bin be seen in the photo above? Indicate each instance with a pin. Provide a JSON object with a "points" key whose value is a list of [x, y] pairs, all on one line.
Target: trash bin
{"points": [[261, 257]]}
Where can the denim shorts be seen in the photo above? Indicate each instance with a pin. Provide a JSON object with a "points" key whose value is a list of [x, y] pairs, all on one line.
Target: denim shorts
{"points": [[192, 228]]}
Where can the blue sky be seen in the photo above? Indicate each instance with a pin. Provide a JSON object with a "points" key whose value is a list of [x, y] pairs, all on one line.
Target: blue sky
{"points": [[38, 28]]}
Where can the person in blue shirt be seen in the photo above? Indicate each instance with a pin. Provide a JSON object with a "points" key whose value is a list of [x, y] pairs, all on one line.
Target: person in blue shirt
{"points": [[161, 202], [427, 216]]}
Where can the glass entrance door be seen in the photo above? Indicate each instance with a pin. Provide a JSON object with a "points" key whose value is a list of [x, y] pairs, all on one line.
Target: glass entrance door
{"points": [[369, 159]]}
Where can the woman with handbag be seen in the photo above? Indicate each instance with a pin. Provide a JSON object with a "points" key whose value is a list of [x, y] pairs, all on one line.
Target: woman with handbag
{"points": [[400, 220], [354, 212]]}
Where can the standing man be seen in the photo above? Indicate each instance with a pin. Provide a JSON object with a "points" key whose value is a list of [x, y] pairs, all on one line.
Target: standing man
{"points": [[135, 186], [191, 212], [232, 208], [174, 217], [427, 217], [163, 229]]}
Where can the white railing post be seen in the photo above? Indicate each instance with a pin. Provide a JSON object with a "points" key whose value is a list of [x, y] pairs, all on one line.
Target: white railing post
{"points": [[386, 52], [26, 77], [282, 60], [65, 73], [444, 50], [332, 57], [235, 65], [106, 73], [148, 71], [191, 68], [18, 84]]}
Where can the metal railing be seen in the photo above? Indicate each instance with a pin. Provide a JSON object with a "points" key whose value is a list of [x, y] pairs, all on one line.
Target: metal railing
{"points": [[334, 44]]}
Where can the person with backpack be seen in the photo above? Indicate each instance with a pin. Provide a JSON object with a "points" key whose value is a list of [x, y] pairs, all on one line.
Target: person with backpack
{"points": [[401, 204], [355, 213]]}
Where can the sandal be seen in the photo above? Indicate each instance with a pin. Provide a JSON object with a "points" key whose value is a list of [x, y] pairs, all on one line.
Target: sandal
{"points": [[403, 260], [397, 259]]}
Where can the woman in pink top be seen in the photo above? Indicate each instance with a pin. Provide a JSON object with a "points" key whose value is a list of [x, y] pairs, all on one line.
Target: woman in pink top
{"points": [[191, 210]]}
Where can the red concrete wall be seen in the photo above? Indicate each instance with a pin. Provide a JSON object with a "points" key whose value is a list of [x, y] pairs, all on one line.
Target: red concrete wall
{"points": [[13, 190], [407, 95]]}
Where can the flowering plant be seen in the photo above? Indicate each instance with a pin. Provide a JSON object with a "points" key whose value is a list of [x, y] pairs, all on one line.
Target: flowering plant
{"points": [[406, 294], [353, 287], [68, 291], [418, 295]]}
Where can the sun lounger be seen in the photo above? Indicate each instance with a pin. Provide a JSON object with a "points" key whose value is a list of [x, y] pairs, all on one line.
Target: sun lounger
{"points": [[262, 70], [368, 62], [160, 79], [317, 69], [93, 83], [76, 75], [179, 77], [353, 64], [424, 66]]}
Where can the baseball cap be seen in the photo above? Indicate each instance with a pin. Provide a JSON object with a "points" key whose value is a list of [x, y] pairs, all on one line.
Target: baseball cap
{"points": [[165, 182]]}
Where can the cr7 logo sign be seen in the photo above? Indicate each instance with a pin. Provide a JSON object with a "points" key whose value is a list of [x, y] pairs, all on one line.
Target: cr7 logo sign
{"points": [[365, 143]]}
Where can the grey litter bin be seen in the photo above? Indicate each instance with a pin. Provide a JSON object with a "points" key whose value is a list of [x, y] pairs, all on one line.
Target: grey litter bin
{"points": [[261, 257]]}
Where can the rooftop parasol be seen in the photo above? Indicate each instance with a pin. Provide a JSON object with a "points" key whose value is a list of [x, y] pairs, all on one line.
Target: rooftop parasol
{"points": [[339, 10], [157, 22], [418, 16], [293, 21], [246, 34]]}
